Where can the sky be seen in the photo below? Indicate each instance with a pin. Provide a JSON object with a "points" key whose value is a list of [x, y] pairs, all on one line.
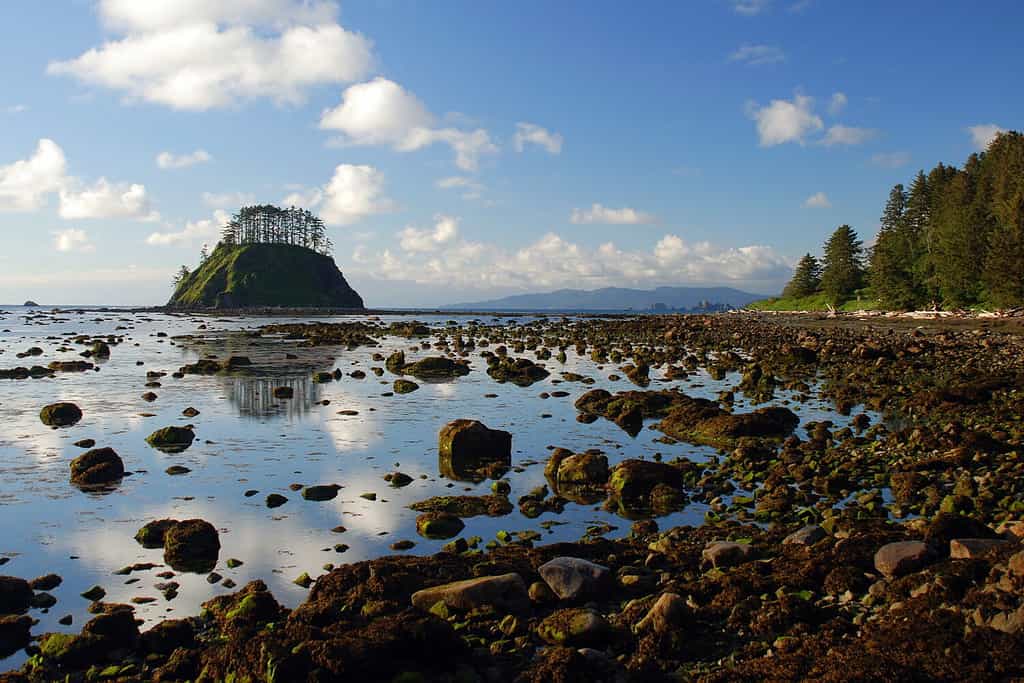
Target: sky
{"points": [[463, 150]]}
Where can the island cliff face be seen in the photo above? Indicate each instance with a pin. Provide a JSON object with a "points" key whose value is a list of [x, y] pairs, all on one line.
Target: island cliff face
{"points": [[258, 275]]}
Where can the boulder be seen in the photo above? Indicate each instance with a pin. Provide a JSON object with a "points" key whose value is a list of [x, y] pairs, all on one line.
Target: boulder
{"points": [[14, 633], [572, 578], [435, 367], [636, 479], [171, 439], [468, 450], [506, 592], [192, 546], [152, 534], [97, 467], [903, 557], [808, 535], [405, 386], [582, 469], [15, 595], [60, 415], [972, 548], [575, 627], [439, 525], [720, 554], [321, 493], [667, 614]]}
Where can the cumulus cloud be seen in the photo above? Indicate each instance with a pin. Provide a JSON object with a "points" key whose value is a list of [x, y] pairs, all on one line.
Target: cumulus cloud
{"points": [[552, 262], [26, 185], [381, 112], [193, 232], [352, 194], [891, 159], [983, 134], [598, 213], [199, 55], [783, 121], [445, 230], [847, 135], [107, 200], [72, 239], [837, 103], [169, 160], [756, 55], [818, 200], [532, 134]]}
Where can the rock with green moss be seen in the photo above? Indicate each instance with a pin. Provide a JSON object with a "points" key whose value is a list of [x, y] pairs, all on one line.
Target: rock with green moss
{"points": [[439, 525], [395, 362], [192, 545], [323, 377], [466, 506], [470, 451], [60, 414], [436, 367], [519, 371], [151, 535], [171, 439], [404, 386], [575, 627], [98, 467]]}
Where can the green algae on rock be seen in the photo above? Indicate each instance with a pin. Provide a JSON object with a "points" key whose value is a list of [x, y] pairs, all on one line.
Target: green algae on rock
{"points": [[60, 415], [171, 439]]}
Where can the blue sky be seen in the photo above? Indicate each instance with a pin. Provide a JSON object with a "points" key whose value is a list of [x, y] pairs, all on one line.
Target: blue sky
{"points": [[463, 150]]}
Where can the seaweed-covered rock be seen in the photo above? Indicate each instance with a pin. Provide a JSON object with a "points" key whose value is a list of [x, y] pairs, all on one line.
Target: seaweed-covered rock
{"points": [[575, 627], [192, 546], [435, 367], [60, 415], [98, 467], [171, 439], [404, 386], [152, 534], [520, 371], [466, 506], [468, 450]]}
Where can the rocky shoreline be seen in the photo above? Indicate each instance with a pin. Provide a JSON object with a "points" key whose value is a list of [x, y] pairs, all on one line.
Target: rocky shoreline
{"points": [[886, 551]]}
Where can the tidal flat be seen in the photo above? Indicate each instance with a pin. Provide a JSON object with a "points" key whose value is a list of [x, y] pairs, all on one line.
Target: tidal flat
{"points": [[723, 497]]}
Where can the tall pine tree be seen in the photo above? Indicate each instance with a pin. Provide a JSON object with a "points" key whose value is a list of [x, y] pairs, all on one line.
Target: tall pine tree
{"points": [[843, 266], [806, 278], [892, 259]]}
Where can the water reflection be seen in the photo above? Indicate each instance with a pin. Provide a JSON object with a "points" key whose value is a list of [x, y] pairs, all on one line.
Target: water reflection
{"points": [[254, 396]]}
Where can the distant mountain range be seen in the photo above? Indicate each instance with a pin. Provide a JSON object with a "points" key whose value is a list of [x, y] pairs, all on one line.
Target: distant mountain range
{"points": [[617, 299]]}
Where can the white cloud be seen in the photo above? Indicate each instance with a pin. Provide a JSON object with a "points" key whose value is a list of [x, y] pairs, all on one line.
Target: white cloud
{"points": [[304, 198], [891, 159], [598, 213], [26, 184], [352, 194], [194, 232], [847, 135], [750, 8], [818, 200], [106, 200], [783, 121], [381, 112], [472, 188], [72, 239], [198, 55], [983, 134], [445, 230], [170, 160], [529, 133], [755, 55], [552, 262], [228, 200], [837, 103]]}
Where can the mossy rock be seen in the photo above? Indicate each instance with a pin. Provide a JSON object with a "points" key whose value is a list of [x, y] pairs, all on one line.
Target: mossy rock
{"points": [[98, 467], [321, 493], [192, 546], [171, 439], [576, 627], [466, 506], [470, 451], [60, 415], [436, 367], [323, 377], [152, 535], [404, 386], [439, 525]]}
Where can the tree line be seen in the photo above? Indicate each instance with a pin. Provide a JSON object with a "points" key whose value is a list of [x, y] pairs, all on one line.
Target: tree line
{"points": [[955, 238], [268, 224]]}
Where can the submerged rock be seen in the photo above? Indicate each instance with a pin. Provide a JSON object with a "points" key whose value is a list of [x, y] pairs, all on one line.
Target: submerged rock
{"points": [[60, 415]]}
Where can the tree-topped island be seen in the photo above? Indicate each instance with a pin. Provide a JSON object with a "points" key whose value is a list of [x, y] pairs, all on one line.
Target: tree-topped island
{"points": [[267, 257]]}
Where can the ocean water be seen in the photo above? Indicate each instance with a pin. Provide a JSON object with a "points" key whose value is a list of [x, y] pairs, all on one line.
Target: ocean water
{"points": [[249, 441]]}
